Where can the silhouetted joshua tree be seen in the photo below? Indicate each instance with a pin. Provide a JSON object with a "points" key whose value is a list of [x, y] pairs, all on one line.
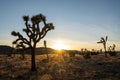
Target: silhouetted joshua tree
{"points": [[103, 41], [45, 45], [34, 34], [111, 50]]}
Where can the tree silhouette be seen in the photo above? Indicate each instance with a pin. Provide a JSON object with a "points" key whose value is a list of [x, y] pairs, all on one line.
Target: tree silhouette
{"points": [[34, 34], [103, 41]]}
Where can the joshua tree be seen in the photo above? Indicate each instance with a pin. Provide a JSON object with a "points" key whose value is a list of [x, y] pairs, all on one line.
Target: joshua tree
{"points": [[111, 50], [45, 45], [34, 34], [103, 41]]}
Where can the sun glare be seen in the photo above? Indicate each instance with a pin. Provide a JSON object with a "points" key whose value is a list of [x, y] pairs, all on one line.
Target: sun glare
{"points": [[59, 45]]}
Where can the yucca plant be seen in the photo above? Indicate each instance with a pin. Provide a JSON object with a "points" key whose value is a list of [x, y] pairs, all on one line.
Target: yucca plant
{"points": [[111, 50], [34, 34], [103, 41], [45, 45], [86, 54]]}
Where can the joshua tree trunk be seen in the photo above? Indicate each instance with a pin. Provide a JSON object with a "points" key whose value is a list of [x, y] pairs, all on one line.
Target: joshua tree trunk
{"points": [[105, 49], [33, 65]]}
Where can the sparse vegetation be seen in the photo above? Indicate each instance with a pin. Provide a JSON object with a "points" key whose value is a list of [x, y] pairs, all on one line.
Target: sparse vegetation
{"points": [[96, 68]]}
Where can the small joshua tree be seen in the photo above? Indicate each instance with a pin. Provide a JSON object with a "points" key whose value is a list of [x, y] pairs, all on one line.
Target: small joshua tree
{"points": [[103, 41], [34, 34], [45, 45], [111, 50]]}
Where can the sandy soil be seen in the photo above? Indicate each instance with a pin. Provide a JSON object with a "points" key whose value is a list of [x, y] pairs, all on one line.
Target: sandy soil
{"points": [[60, 67]]}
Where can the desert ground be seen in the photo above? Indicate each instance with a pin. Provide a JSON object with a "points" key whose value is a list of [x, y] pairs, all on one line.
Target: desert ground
{"points": [[60, 67]]}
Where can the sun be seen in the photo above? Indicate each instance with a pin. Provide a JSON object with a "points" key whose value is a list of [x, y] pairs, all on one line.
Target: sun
{"points": [[59, 45]]}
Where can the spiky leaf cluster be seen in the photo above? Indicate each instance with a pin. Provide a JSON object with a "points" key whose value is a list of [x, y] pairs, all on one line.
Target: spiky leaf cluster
{"points": [[103, 40]]}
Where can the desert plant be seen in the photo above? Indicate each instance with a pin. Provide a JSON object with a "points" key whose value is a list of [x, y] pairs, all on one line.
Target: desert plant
{"points": [[72, 53], [103, 41], [45, 45], [86, 54], [34, 34], [111, 50], [82, 50], [93, 52]]}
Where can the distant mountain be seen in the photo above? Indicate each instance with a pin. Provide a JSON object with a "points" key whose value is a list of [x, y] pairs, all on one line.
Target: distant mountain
{"points": [[6, 49], [41, 50]]}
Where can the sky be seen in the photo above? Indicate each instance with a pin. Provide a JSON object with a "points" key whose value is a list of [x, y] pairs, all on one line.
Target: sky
{"points": [[78, 23]]}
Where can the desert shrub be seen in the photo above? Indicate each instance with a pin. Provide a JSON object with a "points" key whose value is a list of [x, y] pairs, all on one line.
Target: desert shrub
{"points": [[94, 53], [80, 53], [9, 55], [111, 50], [72, 54], [112, 53], [87, 55]]}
